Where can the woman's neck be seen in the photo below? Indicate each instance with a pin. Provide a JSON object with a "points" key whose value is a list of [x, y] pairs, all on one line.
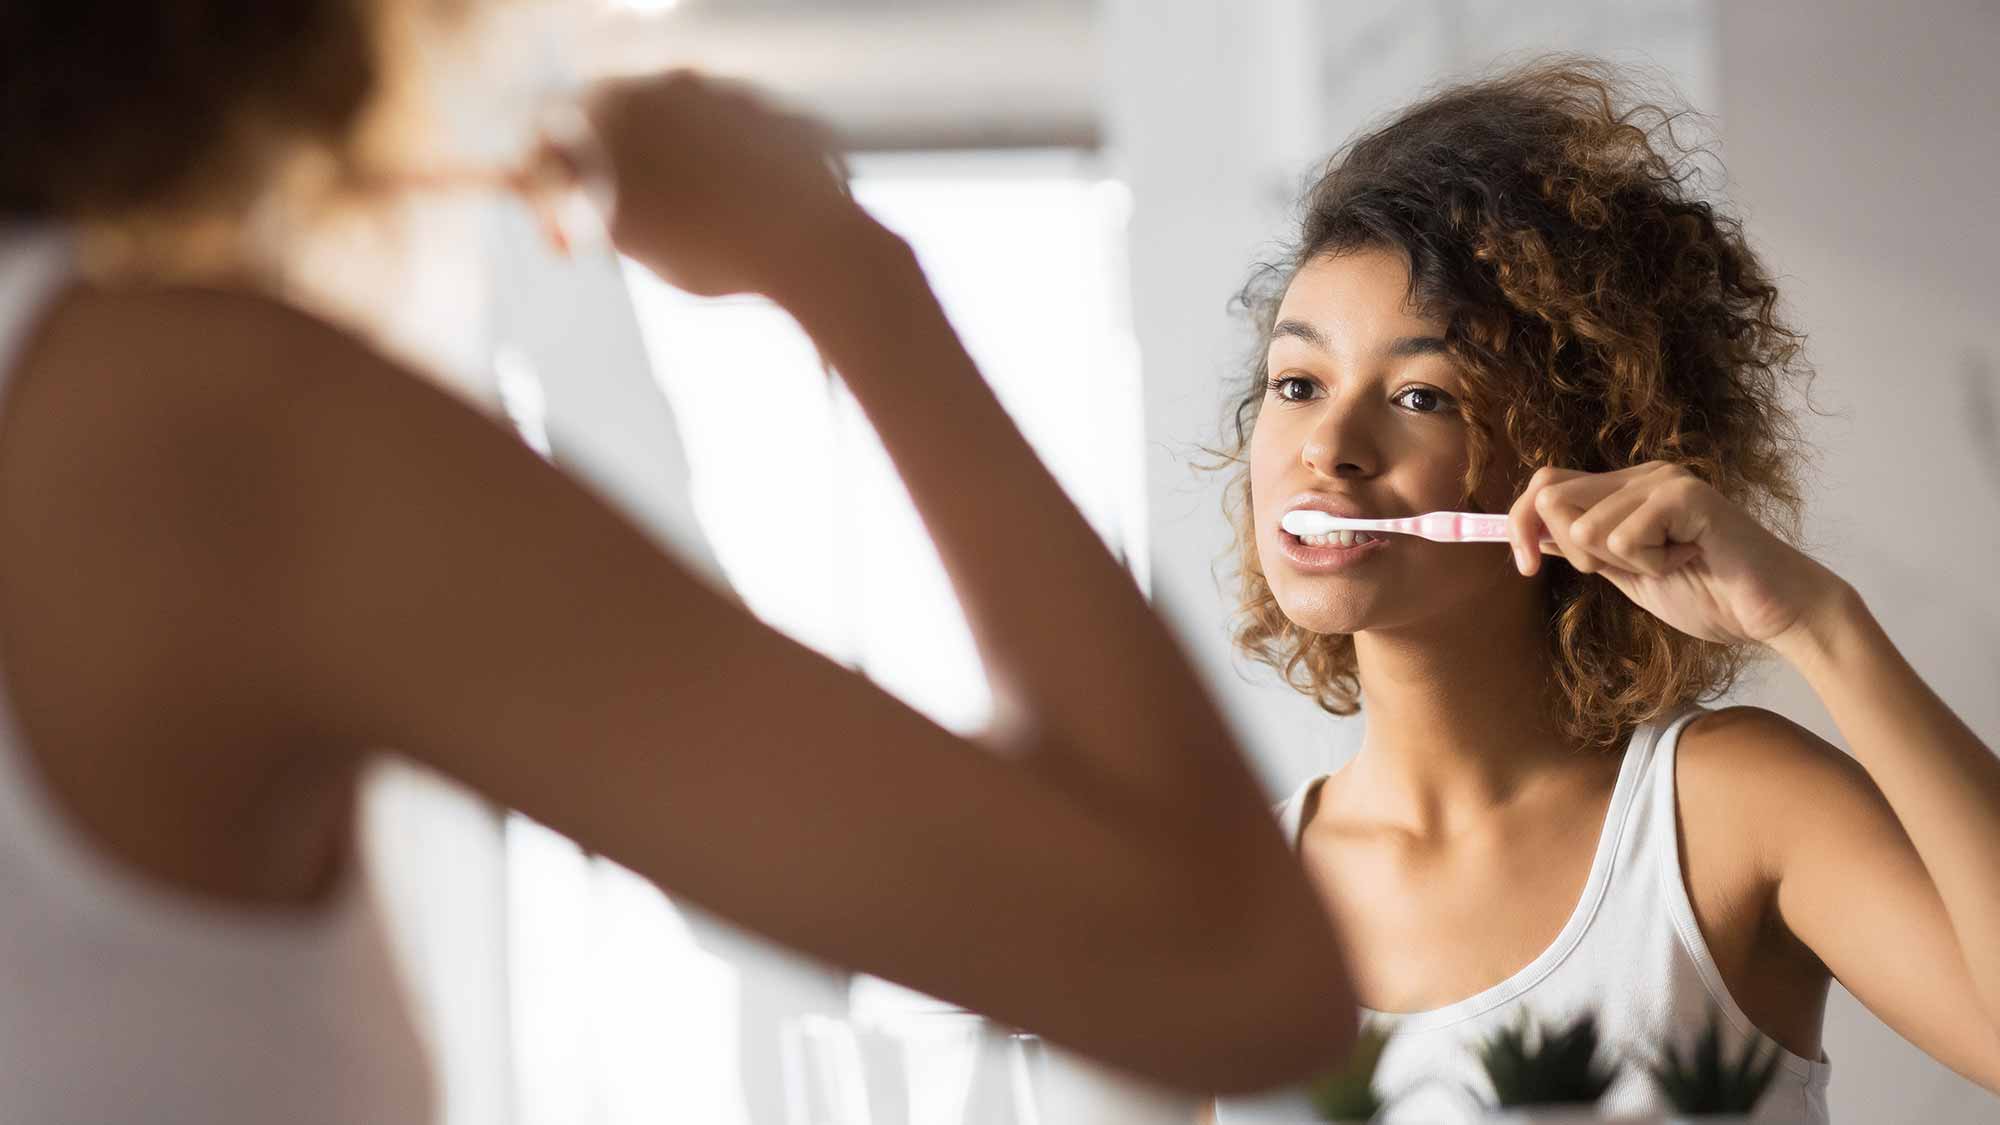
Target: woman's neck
{"points": [[1459, 726]]}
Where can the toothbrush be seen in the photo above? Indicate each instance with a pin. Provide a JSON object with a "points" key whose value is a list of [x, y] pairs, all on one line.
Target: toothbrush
{"points": [[1441, 527]]}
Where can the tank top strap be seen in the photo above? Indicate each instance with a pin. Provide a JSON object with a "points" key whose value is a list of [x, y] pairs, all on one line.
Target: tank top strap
{"points": [[1661, 823], [36, 264], [1813, 1074], [1650, 823], [1647, 836], [1291, 811]]}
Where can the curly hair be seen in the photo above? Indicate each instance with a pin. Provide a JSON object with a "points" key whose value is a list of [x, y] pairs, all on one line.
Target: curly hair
{"points": [[1601, 315]]}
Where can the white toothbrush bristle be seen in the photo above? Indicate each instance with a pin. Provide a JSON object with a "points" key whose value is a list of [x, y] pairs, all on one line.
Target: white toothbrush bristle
{"points": [[1305, 522], [1319, 529]]}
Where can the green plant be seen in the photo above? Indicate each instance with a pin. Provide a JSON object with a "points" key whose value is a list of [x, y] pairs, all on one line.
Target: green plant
{"points": [[1705, 1081], [1544, 1065], [1347, 1092]]}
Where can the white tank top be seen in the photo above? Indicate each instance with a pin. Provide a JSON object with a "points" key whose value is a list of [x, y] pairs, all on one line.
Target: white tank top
{"points": [[1631, 950], [126, 1001]]}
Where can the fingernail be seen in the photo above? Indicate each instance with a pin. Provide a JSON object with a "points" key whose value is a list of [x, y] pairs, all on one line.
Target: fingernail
{"points": [[1520, 560]]}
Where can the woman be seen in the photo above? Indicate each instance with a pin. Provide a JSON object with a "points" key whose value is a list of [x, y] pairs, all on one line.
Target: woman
{"points": [[1506, 300], [245, 552]]}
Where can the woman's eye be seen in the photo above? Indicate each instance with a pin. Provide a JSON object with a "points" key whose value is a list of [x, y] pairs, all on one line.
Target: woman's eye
{"points": [[1291, 388], [1423, 400]]}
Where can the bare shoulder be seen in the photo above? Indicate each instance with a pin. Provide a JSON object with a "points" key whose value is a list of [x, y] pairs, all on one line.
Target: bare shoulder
{"points": [[1763, 748], [1769, 776]]}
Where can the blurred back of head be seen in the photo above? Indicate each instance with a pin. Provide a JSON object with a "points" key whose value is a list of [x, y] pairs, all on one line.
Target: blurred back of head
{"points": [[172, 121]]}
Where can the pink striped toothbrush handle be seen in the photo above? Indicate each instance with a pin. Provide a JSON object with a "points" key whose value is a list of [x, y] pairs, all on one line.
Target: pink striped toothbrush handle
{"points": [[1450, 527], [1459, 527]]}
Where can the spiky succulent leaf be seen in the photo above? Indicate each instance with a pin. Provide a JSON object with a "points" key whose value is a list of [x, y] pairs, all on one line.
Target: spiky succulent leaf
{"points": [[1705, 1081], [1347, 1092], [1546, 1065]]}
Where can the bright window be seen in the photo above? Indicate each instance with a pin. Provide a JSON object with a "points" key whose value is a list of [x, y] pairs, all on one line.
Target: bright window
{"points": [[626, 1008]]}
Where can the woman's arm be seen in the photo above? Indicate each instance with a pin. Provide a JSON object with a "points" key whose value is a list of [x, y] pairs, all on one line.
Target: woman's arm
{"points": [[244, 549], [1940, 784], [451, 596], [1889, 869]]}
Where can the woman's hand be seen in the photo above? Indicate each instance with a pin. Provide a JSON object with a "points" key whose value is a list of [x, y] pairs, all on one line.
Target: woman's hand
{"points": [[719, 193], [1674, 545]]}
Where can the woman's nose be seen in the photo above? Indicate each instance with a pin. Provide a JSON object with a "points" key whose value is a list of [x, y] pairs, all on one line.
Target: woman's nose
{"points": [[1339, 445]]}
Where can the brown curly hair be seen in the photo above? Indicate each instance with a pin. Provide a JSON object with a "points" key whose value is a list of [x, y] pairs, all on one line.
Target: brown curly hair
{"points": [[1601, 316]]}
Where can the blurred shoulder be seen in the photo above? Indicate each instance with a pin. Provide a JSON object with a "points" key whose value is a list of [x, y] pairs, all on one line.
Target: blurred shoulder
{"points": [[196, 413], [153, 378], [186, 340]]}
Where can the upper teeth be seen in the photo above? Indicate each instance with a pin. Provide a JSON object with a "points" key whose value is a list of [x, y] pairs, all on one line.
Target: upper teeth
{"points": [[1336, 539]]}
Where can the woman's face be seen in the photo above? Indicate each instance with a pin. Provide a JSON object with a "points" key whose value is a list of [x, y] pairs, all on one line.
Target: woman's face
{"points": [[1361, 419]]}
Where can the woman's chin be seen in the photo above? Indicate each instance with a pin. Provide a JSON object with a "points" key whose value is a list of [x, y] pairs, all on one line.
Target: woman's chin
{"points": [[1318, 613], [1324, 623]]}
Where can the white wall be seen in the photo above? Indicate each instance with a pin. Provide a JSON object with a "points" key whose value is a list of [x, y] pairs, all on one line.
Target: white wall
{"points": [[992, 73]]}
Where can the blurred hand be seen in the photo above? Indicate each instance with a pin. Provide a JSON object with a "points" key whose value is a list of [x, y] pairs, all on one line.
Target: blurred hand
{"points": [[717, 192]]}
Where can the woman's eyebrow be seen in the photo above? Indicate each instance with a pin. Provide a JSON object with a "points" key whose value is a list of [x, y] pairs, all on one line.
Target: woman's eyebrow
{"points": [[1416, 345], [1298, 330], [1401, 348]]}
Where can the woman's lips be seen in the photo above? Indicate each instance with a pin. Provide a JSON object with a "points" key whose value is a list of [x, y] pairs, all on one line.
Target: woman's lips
{"points": [[1327, 560]]}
